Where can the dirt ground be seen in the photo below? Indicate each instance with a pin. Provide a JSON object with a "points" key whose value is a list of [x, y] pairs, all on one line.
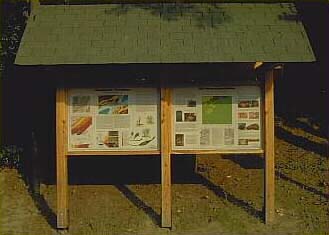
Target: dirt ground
{"points": [[223, 195]]}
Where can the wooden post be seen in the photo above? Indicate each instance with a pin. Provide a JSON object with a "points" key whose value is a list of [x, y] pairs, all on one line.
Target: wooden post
{"points": [[166, 157], [269, 147], [61, 158]]}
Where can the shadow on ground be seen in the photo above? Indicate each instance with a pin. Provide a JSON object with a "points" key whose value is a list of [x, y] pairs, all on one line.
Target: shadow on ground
{"points": [[301, 185], [302, 142], [44, 209], [320, 131], [246, 161], [221, 193], [144, 170], [132, 197]]}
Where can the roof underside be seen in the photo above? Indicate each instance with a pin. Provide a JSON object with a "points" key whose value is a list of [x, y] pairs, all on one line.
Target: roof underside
{"points": [[164, 33]]}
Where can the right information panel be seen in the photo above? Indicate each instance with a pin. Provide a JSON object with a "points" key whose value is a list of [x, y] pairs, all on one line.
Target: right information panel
{"points": [[217, 118]]}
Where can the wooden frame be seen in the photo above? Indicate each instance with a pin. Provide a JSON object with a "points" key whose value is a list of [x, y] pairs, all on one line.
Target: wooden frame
{"points": [[245, 151], [62, 155], [165, 151], [166, 157], [61, 158], [116, 153], [269, 174]]}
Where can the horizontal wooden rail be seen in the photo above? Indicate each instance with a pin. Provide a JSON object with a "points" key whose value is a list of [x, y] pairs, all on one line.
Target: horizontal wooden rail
{"points": [[248, 151], [112, 153]]}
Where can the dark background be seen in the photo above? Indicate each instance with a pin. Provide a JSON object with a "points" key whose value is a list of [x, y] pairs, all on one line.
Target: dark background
{"points": [[28, 102]]}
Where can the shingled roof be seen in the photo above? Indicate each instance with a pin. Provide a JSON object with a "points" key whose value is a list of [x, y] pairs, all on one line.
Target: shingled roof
{"points": [[164, 33]]}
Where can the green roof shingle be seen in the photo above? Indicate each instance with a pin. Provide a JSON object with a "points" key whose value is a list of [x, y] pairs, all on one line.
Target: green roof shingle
{"points": [[164, 33]]}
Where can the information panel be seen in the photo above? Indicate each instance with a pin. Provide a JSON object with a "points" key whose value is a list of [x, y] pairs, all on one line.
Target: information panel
{"points": [[113, 119], [217, 118]]}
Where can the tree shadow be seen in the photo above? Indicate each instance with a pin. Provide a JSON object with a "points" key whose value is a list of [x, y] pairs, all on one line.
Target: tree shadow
{"points": [[202, 15], [301, 185], [302, 142], [221, 193], [294, 16], [131, 196]]}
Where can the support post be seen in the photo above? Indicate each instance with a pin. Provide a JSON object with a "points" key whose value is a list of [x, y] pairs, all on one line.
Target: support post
{"points": [[61, 158], [166, 157], [269, 147]]}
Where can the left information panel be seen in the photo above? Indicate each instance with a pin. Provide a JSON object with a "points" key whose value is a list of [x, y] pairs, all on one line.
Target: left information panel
{"points": [[113, 119]]}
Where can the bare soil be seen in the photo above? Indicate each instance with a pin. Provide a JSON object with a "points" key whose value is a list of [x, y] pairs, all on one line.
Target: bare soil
{"points": [[222, 195]]}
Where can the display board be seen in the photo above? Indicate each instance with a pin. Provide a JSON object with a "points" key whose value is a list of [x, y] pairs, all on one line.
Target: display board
{"points": [[113, 119], [217, 118]]}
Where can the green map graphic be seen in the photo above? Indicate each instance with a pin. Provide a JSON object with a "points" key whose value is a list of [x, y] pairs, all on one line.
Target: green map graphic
{"points": [[216, 109]]}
